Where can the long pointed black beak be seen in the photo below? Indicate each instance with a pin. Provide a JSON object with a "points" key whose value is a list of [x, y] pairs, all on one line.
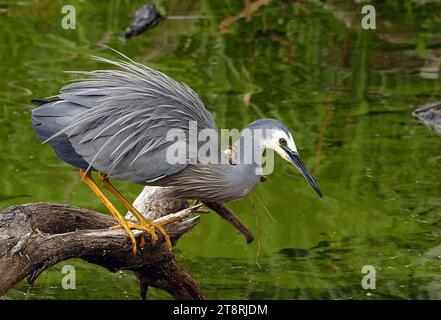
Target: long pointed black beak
{"points": [[295, 159]]}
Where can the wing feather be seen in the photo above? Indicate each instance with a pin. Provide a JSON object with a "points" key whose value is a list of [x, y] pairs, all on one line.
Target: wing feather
{"points": [[127, 114]]}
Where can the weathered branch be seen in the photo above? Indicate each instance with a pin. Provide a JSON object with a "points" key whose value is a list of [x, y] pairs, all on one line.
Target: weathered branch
{"points": [[228, 215], [38, 235]]}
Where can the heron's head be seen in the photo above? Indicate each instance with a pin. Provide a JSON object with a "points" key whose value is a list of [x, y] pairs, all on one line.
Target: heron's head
{"points": [[279, 139]]}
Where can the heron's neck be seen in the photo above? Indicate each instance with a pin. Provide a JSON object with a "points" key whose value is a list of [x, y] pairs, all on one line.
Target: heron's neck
{"points": [[249, 148]]}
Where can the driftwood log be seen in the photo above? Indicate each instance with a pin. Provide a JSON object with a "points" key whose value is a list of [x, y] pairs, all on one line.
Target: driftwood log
{"points": [[37, 236]]}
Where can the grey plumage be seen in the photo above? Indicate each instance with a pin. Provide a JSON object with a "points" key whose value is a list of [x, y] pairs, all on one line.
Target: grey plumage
{"points": [[116, 122]]}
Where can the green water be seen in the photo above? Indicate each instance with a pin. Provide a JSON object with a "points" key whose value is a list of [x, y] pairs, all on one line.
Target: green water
{"points": [[347, 95]]}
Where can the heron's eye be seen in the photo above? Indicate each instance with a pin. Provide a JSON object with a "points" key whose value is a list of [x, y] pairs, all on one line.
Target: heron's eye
{"points": [[283, 142]]}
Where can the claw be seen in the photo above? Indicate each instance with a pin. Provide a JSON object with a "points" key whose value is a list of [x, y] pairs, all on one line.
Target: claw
{"points": [[142, 242], [151, 227], [132, 238], [165, 235], [148, 227]]}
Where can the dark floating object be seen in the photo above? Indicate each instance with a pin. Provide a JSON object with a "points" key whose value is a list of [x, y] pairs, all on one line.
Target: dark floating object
{"points": [[295, 252], [430, 115], [146, 18]]}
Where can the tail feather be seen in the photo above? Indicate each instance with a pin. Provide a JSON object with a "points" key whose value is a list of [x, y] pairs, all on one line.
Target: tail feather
{"points": [[49, 118]]}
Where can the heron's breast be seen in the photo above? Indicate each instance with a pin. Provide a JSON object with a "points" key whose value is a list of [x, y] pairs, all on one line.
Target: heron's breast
{"points": [[243, 179]]}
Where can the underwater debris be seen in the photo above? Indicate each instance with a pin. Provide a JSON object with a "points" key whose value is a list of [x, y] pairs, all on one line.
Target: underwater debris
{"points": [[145, 18]]}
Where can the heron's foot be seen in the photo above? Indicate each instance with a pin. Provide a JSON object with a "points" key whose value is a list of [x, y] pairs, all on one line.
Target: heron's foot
{"points": [[149, 227], [144, 224], [157, 226]]}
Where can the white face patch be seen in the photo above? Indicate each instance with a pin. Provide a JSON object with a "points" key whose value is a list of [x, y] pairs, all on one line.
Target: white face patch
{"points": [[272, 141]]}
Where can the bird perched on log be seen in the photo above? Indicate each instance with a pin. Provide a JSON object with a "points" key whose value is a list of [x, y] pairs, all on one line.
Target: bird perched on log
{"points": [[116, 122]]}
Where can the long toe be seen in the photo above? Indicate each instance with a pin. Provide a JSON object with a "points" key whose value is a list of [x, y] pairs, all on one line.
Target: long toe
{"points": [[132, 239], [165, 235], [148, 228]]}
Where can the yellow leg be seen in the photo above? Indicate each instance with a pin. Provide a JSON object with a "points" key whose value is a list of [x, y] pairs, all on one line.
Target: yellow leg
{"points": [[87, 177], [150, 225]]}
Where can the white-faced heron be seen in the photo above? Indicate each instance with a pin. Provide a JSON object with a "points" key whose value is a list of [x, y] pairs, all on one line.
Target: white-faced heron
{"points": [[115, 122]]}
